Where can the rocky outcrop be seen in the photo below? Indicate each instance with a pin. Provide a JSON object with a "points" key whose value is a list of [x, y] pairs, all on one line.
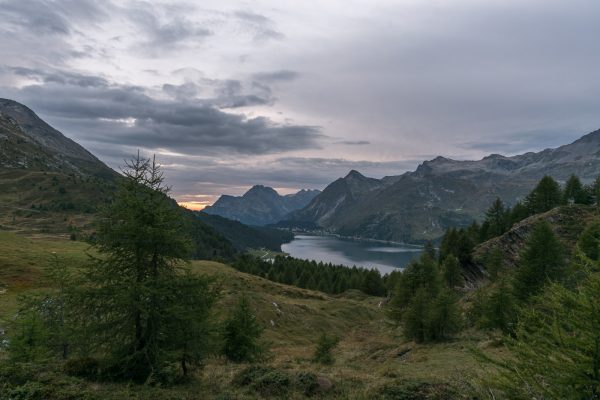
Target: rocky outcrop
{"points": [[567, 222]]}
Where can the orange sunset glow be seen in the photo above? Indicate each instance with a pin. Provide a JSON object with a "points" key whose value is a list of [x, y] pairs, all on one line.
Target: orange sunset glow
{"points": [[194, 205]]}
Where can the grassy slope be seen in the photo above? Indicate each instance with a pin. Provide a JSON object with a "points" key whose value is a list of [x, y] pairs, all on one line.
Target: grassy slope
{"points": [[366, 358], [22, 189]]}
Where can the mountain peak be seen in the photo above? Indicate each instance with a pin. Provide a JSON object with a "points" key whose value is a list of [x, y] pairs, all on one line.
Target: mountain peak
{"points": [[260, 189], [354, 174]]}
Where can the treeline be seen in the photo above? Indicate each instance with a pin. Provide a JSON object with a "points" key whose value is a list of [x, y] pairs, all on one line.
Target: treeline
{"points": [[306, 274]]}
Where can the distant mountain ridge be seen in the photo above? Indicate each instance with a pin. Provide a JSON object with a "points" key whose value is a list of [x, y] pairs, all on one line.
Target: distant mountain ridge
{"points": [[261, 205], [420, 205]]}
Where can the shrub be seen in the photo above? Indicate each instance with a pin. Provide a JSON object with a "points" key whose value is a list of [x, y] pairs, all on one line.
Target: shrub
{"points": [[323, 352], [267, 381], [273, 383], [307, 382], [82, 367], [27, 391]]}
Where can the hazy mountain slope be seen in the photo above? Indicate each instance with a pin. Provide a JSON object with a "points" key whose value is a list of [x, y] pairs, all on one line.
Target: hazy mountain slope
{"points": [[260, 205], [244, 236], [440, 193]]}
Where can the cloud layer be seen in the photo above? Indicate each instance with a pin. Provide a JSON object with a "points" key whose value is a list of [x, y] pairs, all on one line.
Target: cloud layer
{"points": [[231, 94]]}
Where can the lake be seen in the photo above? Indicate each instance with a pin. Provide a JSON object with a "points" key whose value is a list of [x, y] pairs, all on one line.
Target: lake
{"points": [[386, 257]]}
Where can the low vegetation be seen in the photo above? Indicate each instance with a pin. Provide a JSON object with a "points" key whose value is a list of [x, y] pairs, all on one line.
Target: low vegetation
{"points": [[129, 315]]}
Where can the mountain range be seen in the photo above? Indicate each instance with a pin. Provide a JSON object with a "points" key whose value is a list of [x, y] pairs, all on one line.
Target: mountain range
{"points": [[420, 205], [261, 205]]}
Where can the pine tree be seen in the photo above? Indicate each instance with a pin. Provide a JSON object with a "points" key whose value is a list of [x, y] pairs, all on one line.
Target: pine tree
{"points": [[555, 352], [545, 196], [497, 219], [574, 192], [541, 260], [518, 213], [589, 241], [451, 272], [498, 309], [242, 334], [443, 317], [130, 297]]}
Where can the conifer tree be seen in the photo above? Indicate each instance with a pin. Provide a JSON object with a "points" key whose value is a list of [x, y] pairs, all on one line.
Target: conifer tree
{"points": [[451, 272], [545, 196], [555, 349], [242, 334], [496, 219], [542, 260], [130, 305], [574, 192]]}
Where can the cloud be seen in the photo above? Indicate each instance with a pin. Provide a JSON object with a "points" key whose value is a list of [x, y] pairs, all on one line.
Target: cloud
{"points": [[165, 28], [126, 115], [49, 17], [276, 76], [261, 27], [354, 142]]}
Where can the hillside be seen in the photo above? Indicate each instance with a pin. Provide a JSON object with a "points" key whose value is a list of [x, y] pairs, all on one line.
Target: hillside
{"points": [[441, 193], [372, 358], [246, 237], [568, 222], [260, 205], [51, 185]]}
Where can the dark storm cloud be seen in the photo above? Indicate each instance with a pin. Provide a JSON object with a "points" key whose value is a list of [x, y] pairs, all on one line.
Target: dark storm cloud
{"points": [[276, 76], [60, 77], [126, 115]]}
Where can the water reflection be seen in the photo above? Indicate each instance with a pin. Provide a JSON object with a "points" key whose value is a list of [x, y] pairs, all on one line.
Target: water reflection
{"points": [[385, 258]]}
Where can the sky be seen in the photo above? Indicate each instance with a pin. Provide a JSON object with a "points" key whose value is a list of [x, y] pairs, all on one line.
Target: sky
{"points": [[294, 94]]}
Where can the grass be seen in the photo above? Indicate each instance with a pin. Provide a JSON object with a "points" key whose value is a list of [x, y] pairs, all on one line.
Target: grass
{"points": [[370, 355]]}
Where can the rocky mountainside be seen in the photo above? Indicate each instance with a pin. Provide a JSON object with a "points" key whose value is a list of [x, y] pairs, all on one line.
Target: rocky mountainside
{"points": [[440, 193], [27, 142], [260, 205], [567, 222]]}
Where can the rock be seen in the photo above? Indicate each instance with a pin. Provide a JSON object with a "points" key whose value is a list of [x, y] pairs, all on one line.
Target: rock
{"points": [[325, 384]]}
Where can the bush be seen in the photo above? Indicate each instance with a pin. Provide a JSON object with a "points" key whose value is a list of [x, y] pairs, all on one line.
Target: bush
{"points": [[274, 383], [267, 381], [323, 352], [82, 367], [27, 391], [589, 241], [307, 382]]}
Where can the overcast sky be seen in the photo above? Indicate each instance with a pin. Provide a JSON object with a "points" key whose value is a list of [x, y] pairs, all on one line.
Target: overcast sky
{"points": [[294, 94]]}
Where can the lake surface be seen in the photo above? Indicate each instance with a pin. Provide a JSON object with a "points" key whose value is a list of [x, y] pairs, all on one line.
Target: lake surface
{"points": [[385, 257]]}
